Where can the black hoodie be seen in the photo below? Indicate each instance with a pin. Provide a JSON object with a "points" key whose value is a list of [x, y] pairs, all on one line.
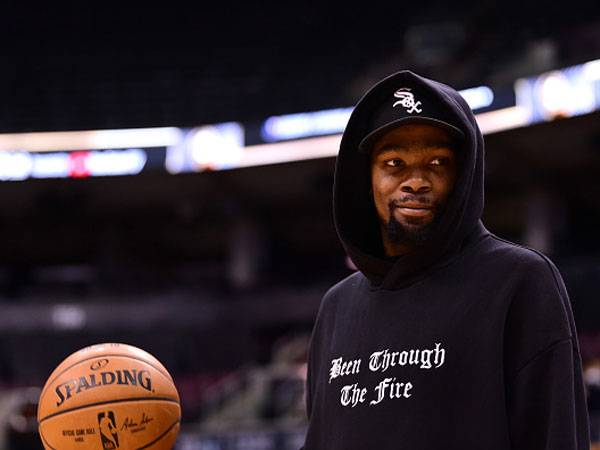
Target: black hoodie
{"points": [[466, 343]]}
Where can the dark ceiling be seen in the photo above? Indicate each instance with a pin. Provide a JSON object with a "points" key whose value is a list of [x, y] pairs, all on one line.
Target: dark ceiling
{"points": [[86, 65]]}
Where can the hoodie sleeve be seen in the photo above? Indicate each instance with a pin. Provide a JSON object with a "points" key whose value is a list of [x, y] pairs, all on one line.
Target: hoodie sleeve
{"points": [[546, 401]]}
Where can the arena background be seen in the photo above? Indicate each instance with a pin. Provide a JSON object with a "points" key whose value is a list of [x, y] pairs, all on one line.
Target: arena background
{"points": [[210, 247]]}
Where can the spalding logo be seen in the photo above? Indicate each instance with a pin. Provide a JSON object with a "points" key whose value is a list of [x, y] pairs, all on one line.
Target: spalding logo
{"points": [[73, 387]]}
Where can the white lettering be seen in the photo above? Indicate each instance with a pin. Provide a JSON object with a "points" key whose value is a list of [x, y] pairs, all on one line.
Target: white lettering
{"points": [[439, 352], [336, 366], [339, 368], [352, 395], [381, 361], [391, 389]]}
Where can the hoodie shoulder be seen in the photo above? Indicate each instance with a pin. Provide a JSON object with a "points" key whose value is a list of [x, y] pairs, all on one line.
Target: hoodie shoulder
{"points": [[342, 287], [522, 257], [540, 312], [342, 291]]}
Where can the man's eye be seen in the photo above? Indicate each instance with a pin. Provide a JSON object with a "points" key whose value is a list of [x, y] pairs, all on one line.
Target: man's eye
{"points": [[439, 161], [394, 162]]}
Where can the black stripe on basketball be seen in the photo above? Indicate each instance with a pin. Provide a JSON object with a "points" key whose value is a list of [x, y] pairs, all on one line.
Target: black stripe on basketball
{"points": [[109, 402]]}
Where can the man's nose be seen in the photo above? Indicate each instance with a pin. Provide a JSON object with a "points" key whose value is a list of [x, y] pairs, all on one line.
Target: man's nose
{"points": [[416, 183]]}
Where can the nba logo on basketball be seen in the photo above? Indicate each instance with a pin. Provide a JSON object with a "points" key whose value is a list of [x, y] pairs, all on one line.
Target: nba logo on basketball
{"points": [[108, 430]]}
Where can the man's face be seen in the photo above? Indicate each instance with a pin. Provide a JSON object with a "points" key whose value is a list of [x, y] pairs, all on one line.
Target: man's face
{"points": [[413, 170]]}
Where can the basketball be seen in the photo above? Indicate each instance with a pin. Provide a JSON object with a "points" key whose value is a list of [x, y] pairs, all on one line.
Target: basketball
{"points": [[109, 396]]}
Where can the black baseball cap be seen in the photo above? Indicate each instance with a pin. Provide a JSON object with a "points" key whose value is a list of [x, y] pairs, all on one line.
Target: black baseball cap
{"points": [[408, 105]]}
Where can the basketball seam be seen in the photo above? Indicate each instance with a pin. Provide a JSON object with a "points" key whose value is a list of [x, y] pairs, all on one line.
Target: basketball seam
{"points": [[49, 383], [44, 440], [139, 399], [167, 431]]}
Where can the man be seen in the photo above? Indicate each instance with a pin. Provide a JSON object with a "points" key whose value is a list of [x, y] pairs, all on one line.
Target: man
{"points": [[447, 336]]}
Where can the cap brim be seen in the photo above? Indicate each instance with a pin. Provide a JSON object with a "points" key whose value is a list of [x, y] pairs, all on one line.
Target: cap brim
{"points": [[367, 142]]}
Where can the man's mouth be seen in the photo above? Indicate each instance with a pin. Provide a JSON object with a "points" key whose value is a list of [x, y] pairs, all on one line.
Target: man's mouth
{"points": [[414, 209]]}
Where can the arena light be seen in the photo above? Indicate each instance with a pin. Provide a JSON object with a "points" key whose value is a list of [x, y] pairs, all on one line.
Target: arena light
{"points": [[50, 165], [113, 162], [560, 93], [136, 137], [478, 97], [502, 119], [295, 126], [591, 70], [210, 147], [15, 166], [217, 146], [297, 150], [90, 140], [555, 94]]}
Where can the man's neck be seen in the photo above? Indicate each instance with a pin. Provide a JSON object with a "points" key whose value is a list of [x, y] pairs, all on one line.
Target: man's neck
{"points": [[393, 249]]}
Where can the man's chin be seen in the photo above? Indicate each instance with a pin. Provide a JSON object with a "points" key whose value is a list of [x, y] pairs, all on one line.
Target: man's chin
{"points": [[415, 223], [411, 232]]}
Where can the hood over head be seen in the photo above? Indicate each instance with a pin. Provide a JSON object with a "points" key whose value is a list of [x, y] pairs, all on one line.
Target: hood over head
{"points": [[406, 97]]}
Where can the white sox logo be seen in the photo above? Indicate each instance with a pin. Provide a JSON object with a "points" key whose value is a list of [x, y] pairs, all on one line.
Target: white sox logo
{"points": [[407, 101]]}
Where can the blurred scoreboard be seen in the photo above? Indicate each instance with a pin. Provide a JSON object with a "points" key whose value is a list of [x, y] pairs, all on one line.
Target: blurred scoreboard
{"points": [[21, 165], [278, 139]]}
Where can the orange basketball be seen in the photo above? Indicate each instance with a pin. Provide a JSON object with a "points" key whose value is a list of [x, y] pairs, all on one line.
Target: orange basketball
{"points": [[106, 397]]}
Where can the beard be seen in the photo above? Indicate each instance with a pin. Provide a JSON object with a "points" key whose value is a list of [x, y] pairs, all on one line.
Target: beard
{"points": [[413, 234]]}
